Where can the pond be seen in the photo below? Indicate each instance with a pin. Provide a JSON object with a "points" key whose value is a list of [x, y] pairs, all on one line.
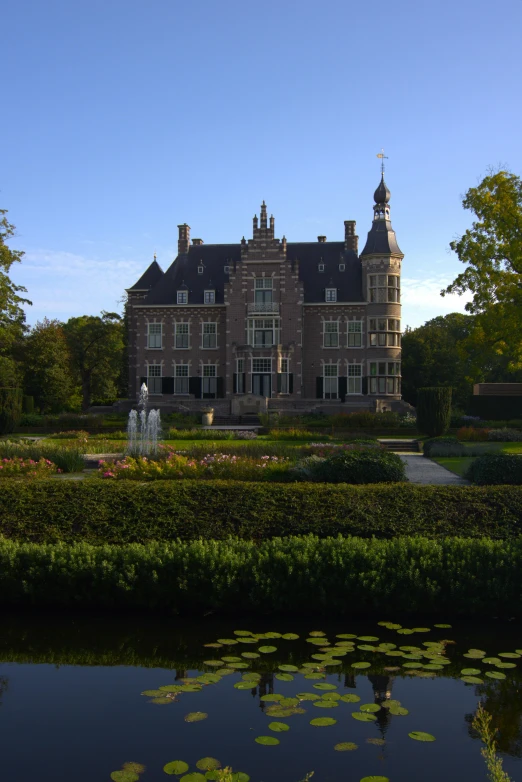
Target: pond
{"points": [[80, 697]]}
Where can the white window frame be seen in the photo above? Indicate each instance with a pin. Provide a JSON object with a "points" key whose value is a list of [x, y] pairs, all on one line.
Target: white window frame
{"points": [[330, 334], [384, 288], [320, 267], [201, 269], [330, 295], [180, 334], [207, 343], [181, 379], [156, 337], [342, 267], [226, 269], [209, 381], [354, 379], [153, 378], [384, 332], [354, 334], [182, 297], [264, 325], [262, 369], [384, 378], [328, 375], [209, 296]]}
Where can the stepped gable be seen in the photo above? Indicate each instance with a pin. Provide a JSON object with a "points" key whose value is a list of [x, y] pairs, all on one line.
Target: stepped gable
{"points": [[149, 278], [331, 254]]}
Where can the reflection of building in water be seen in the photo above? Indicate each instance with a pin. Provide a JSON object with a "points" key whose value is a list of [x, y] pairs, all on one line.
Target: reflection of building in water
{"points": [[181, 673], [382, 691], [265, 686], [349, 680], [3, 686]]}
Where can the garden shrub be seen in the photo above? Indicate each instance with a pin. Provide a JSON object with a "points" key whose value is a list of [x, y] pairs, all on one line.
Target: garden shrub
{"points": [[10, 409], [18, 467], [472, 434], [68, 459], [496, 469], [127, 511], [292, 434], [505, 435], [297, 575], [362, 466], [433, 410], [448, 449], [31, 419], [28, 404], [200, 434], [433, 442]]}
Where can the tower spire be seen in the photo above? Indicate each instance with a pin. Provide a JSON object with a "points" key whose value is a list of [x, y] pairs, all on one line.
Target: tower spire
{"points": [[383, 157]]}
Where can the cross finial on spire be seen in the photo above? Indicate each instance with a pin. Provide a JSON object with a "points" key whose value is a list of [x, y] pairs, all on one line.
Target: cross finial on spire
{"points": [[383, 157]]}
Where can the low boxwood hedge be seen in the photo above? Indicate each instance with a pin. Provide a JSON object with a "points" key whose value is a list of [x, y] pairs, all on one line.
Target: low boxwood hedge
{"points": [[495, 469], [127, 512]]}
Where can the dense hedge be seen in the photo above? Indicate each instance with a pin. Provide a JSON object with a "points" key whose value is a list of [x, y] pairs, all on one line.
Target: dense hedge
{"points": [[127, 512], [339, 576], [496, 469]]}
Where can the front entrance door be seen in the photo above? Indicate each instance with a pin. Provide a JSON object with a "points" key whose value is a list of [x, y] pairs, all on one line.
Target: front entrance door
{"points": [[262, 385]]}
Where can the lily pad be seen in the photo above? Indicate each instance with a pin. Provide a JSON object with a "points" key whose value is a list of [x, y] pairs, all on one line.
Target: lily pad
{"points": [[367, 648], [471, 671], [418, 735], [239, 666], [268, 741], [367, 638], [272, 696], [346, 746], [194, 776], [248, 640], [315, 676], [350, 698], [213, 646], [284, 677], [231, 659], [242, 632], [495, 675], [208, 678], [315, 641], [196, 716], [398, 711], [278, 727], [240, 776], [124, 776], [475, 653], [346, 636], [324, 686], [322, 722], [505, 665], [376, 742], [137, 768], [433, 667], [370, 707], [287, 702], [362, 717], [250, 655], [279, 711], [421, 629], [331, 696], [289, 668], [176, 767], [491, 660], [361, 665], [227, 641], [213, 663], [509, 655], [272, 635], [251, 677], [405, 631], [472, 680], [322, 704], [307, 696], [290, 636], [375, 779], [316, 634], [249, 685], [225, 671], [443, 626], [391, 702], [267, 649], [208, 764], [154, 693], [161, 701]]}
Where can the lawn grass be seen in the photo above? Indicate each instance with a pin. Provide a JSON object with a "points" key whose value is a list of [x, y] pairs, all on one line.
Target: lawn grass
{"points": [[455, 464]]}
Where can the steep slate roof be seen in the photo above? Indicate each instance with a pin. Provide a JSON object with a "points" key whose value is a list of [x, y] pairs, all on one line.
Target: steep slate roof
{"points": [[183, 272], [149, 278], [381, 239]]}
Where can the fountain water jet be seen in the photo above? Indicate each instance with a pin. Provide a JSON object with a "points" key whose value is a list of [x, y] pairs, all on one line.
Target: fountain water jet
{"points": [[143, 428]]}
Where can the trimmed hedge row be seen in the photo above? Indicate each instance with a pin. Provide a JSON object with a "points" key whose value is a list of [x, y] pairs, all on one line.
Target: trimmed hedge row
{"points": [[126, 512], [339, 576]]}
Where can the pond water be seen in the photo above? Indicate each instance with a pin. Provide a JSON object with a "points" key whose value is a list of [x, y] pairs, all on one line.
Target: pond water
{"points": [[72, 708]]}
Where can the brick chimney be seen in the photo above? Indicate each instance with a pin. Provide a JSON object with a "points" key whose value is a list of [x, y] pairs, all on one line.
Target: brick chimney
{"points": [[183, 238], [321, 239], [351, 241], [197, 242]]}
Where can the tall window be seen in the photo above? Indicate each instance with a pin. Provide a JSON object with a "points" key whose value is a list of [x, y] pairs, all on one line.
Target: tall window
{"points": [[240, 374], [209, 335], [383, 287], [210, 297], [209, 381], [154, 335], [384, 332], [154, 379], [263, 332], [285, 376], [330, 382], [385, 377], [330, 294], [181, 379], [182, 297], [181, 331], [263, 290], [331, 334], [262, 365], [354, 379], [354, 333]]}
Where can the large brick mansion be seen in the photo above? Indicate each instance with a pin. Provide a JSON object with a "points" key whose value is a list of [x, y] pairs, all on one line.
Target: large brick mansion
{"points": [[312, 322]]}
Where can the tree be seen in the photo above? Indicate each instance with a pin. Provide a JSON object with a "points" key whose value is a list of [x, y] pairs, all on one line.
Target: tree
{"points": [[95, 346], [12, 316], [47, 367], [492, 252]]}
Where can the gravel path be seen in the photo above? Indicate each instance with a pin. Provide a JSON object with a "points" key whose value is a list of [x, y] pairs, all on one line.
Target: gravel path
{"points": [[422, 470]]}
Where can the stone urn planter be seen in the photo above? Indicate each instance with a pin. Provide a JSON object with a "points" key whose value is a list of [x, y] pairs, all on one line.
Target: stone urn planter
{"points": [[207, 416]]}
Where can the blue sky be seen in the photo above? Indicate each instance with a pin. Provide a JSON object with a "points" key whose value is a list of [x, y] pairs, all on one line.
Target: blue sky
{"points": [[123, 118]]}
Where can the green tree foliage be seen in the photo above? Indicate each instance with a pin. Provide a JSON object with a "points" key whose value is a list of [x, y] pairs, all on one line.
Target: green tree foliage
{"points": [[492, 252], [47, 367], [433, 410], [10, 409], [12, 317], [95, 346]]}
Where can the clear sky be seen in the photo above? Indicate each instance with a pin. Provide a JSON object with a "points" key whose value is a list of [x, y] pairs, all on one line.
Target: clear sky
{"points": [[123, 118]]}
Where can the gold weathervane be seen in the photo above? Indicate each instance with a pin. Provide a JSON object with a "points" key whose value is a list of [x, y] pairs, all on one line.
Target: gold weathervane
{"points": [[383, 157]]}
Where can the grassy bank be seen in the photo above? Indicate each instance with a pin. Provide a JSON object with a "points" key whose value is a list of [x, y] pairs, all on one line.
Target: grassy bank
{"points": [[299, 575], [124, 512]]}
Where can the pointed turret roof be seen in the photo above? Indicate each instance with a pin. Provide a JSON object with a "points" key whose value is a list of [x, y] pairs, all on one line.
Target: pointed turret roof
{"points": [[381, 236], [149, 278]]}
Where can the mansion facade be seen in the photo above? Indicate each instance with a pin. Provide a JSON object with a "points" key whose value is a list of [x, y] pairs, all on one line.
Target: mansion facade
{"points": [[297, 321]]}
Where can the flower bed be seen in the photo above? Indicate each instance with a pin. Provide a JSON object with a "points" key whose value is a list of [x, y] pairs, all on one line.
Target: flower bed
{"points": [[17, 467]]}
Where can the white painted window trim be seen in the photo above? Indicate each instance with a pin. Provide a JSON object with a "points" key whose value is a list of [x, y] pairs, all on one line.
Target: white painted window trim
{"points": [[208, 334]]}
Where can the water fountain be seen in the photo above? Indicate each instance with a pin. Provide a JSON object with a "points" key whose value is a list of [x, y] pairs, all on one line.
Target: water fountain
{"points": [[144, 427]]}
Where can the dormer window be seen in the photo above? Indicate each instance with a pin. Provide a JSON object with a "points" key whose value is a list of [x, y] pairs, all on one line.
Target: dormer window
{"points": [[182, 297], [210, 297], [330, 294], [320, 267], [226, 269], [200, 269], [342, 267]]}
